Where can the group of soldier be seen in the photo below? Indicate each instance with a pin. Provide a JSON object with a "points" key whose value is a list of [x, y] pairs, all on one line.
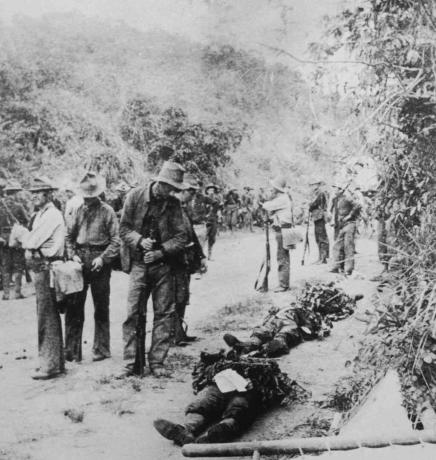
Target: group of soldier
{"points": [[154, 241]]}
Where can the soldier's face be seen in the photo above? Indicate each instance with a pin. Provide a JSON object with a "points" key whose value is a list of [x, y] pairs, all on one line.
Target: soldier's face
{"points": [[40, 199], [164, 190]]}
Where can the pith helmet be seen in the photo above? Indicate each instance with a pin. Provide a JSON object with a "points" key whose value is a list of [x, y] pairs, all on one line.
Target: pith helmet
{"points": [[92, 185], [13, 186], [279, 183], [172, 174]]}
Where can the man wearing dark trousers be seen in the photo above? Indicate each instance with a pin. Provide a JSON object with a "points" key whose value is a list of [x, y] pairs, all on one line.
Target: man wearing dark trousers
{"points": [[154, 239], [92, 240]]}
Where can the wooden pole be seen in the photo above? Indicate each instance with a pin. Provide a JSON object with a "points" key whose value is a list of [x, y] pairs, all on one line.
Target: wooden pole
{"points": [[305, 445]]}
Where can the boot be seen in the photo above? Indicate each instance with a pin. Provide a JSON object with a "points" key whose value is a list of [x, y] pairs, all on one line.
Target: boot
{"points": [[238, 345], [223, 431], [209, 254], [179, 434], [18, 284], [6, 285]]}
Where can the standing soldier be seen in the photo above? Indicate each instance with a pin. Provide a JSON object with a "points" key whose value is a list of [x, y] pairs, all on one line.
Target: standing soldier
{"points": [[280, 206], [318, 210], [92, 240], [154, 239], [231, 204], [194, 261], [247, 203], [212, 205], [45, 244], [12, 259], [345, 212]]}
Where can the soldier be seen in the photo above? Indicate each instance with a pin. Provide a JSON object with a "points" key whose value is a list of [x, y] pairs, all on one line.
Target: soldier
{"points": [[247, 203], [318, 210], [153, 239], [194, 261], [280, 206], [92, 240], [231, 206], [45, 244], [212, 205], [118, 202], [345, 213], [12, 258]]}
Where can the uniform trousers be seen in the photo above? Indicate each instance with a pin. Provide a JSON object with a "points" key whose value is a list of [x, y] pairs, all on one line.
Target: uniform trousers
{"points": [[99, 282], [156, 279], [344, 247], [50, 346]]}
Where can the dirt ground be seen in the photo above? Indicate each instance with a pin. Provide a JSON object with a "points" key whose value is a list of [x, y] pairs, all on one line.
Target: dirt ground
{"points": [[112, 419]]}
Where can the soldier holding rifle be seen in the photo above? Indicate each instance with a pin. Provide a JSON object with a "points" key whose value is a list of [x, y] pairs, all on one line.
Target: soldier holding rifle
{"points": [[154, 238], [280, 207]]}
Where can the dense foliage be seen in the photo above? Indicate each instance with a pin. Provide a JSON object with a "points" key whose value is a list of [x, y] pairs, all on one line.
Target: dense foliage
{"points": [[395, 41]]}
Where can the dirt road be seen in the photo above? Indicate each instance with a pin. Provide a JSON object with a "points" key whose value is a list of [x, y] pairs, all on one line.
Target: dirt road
{"points": [[118, 414]]}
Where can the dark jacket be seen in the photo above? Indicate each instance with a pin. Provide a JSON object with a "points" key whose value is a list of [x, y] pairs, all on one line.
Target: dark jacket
{"points": [[170, 224]]}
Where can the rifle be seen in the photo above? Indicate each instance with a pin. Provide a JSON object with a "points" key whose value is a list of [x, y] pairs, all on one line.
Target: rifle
{"points": [[306, 240], [139, 365], [261, 283]]}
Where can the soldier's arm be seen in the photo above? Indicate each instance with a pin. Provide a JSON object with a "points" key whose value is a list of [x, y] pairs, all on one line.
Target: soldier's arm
{"points": [[112, 251], [180, 239], [127, 232], [71, 234]]}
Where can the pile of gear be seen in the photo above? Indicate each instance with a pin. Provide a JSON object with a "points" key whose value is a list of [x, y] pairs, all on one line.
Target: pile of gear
{"points": [[264, 375], [330, 301]]}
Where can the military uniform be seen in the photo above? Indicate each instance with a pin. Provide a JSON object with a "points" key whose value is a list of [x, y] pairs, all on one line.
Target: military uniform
{"points": [[346, 212], [148, 216], [281, 209], [318, 209], [212, 205], [231, 206], [190, 264], [92, 233], [12, 259], [45, 244]]}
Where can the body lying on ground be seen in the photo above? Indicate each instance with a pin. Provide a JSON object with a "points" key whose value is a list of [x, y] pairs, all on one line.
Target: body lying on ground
{"points": [[218, 414], [283, 329]]}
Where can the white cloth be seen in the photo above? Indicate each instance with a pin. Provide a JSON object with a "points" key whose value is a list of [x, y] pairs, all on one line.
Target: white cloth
{"points": [[229, 380], [67, 278], [48, 232], [281, 209]]}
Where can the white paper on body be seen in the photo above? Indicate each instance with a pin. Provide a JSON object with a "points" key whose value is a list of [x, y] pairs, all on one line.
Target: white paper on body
{"points": [[229, 380]]}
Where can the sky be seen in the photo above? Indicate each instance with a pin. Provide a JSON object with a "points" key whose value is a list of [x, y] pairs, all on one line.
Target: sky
{"points": [[247, 22]]}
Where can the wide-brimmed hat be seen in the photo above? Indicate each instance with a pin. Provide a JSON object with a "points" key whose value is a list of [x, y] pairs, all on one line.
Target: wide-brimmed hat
{"points": [[42, 184], [279, 183], [172, 174], [92, 185], [13, 186], [191, 182], [208, 186]]}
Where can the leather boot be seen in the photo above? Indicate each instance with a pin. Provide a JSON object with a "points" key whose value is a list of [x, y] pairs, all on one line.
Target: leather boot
{"points": [[223, 431], [238, 345]]}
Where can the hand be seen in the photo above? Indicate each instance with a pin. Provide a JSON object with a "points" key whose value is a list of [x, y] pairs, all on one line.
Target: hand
{"points": [[27, 254], [77, 259], [97, 264], [203, 266], [152, 256], [147, 244]]}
